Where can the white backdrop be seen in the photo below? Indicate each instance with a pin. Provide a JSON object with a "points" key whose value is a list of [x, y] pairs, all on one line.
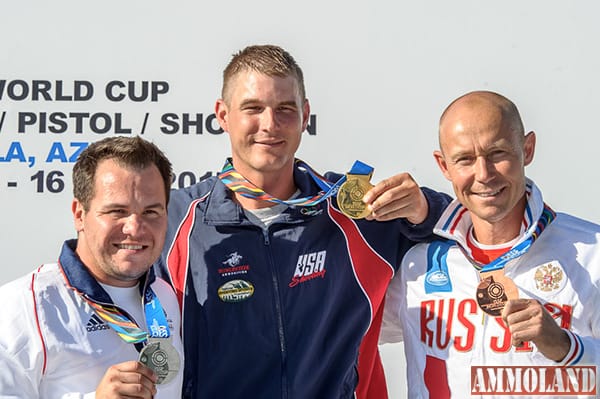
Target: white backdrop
{"points": [[378, 74]]}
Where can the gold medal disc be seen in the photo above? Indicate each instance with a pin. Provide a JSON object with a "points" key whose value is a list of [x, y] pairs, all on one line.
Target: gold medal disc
{"points": [[494, 290], [350, 194]]}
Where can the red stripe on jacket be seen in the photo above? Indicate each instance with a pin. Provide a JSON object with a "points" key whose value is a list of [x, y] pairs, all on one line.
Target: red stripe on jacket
{"points": [[37, 320], [373, 274], [179, 253]]}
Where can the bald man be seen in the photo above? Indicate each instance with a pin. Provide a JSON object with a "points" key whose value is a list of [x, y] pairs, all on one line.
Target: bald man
{"points": [[509, 285]]}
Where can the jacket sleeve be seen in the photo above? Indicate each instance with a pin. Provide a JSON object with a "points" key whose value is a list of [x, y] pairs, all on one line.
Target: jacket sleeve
{"points": [[179, 204], [391, 328], [437, 202], [15, 380], [21, 352], [581, 243], [586, 352], [173, 262], [585, 348]]}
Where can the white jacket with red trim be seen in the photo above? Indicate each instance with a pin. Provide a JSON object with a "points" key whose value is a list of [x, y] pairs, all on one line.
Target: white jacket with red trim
{"points": [[445, 332], [54, 346]]}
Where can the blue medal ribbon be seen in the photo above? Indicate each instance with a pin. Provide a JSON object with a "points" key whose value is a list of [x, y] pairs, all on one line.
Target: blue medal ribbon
{"points": [[361, 168], [156, 319], [548, 215]]}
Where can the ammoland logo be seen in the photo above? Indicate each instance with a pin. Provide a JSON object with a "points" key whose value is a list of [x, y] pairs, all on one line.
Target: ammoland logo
{"points": [[533, 380], [235, 291]]}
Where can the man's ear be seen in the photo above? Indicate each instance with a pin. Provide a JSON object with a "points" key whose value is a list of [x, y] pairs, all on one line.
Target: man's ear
{"points": [[78, 213], [305, 114], [222, 114], [441, 163], [529, 148]]}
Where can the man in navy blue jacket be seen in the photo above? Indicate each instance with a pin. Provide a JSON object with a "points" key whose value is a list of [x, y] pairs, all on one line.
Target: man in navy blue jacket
{"points": [[281, 292]]}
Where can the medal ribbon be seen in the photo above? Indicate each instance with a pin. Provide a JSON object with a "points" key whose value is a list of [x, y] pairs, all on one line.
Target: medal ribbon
{"points": [[239, 184], [548, 215], [126, 328], [123, 326], [360, 168]]}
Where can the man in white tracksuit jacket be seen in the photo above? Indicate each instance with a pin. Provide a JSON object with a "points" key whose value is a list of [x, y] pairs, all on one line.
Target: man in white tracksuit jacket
{"points": [[498, 224], [74, 329]]}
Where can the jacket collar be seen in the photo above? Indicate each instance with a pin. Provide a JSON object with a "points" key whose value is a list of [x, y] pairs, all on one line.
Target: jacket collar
{"points": [[455, 223], [79, 278]]}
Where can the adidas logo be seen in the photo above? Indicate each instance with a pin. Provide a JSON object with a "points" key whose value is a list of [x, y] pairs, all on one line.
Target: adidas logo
{"points": [[96, 324]]}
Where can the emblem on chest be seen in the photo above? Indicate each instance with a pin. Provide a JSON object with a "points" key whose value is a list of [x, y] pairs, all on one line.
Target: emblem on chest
{"points": [[549, 277]]}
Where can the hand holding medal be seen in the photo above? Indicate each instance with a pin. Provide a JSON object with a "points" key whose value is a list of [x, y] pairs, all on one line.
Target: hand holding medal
{"points": [[158, 353], [403, 197]]}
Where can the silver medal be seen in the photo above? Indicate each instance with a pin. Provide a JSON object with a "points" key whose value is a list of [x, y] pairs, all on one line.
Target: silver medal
{"points": [[162, 358]]}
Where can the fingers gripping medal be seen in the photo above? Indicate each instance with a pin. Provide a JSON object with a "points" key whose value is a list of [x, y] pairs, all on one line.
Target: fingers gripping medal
{"points": [[494, 290], [160, 356], [351, 193]]}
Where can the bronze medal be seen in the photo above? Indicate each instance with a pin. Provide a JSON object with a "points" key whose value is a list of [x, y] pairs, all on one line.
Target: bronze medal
{"points": [[162, 358], [350, 194], [494, 290]]}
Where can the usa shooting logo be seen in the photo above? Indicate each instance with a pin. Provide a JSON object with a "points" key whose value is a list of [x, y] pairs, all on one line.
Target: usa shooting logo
{"points": [[309, 267]]}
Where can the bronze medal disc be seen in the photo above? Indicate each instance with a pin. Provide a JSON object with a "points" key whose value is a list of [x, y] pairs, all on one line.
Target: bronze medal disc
{"points": [[350, 194], [494, 290], [162, 358]]}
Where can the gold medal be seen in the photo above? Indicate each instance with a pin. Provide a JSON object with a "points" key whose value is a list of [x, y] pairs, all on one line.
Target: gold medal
{"points": [[162, 358], [351, 193], [494, 290]]}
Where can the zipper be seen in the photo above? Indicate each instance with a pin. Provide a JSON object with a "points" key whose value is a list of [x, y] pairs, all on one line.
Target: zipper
{"points": [[279, 315]]}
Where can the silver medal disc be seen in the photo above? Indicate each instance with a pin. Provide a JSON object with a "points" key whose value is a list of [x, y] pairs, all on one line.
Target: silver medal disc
{"points": [[162, 358]]}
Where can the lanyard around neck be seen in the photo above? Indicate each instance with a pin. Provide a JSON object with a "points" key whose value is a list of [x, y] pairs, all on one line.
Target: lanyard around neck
{"points": [[239, 184], [548, 215], [126, 327]]}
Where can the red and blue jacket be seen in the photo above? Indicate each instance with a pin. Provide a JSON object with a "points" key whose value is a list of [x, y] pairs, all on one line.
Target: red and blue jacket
{"points": [[292, 311]]}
